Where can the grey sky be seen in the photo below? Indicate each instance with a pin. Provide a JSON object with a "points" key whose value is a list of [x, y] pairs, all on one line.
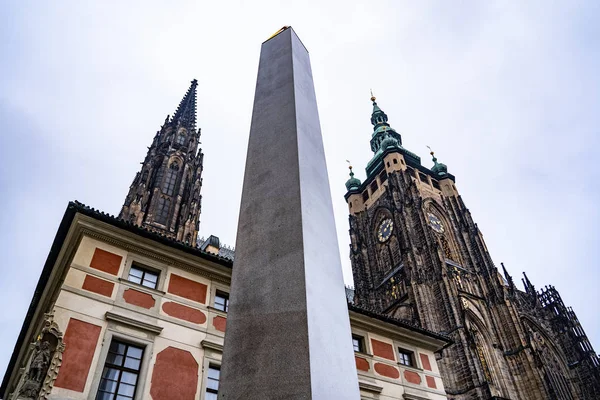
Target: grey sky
{"points": [[506, 92]]}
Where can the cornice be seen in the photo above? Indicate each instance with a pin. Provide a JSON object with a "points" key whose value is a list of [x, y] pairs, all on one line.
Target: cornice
{"points": [[155, 329], [369, 387], [121, 240], [211, 346]]}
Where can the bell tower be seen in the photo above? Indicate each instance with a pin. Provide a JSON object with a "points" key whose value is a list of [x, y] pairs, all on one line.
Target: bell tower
{"points": [[165, 194], [418, 256]]}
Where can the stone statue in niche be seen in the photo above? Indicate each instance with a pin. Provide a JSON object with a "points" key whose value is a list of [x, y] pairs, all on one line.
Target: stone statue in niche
{"points": [[43, 364]]}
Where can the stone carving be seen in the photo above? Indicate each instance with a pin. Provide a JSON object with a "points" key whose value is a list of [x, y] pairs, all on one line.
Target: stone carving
{"points": [[43, 364]]}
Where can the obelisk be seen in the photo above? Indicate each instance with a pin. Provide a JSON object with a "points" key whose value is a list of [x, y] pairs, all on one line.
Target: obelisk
{"points": [[288, 332]]}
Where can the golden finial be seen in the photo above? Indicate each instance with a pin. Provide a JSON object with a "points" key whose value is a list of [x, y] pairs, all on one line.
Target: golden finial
{"points": [[372, 97], [279, 31], [430, 151], [349, 165]]}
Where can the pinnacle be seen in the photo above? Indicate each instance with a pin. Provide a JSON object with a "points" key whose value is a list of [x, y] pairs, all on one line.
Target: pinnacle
{"points": [[186, 111]]}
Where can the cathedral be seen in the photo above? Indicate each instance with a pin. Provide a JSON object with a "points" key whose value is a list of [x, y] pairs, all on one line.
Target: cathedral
{"points": [[135, 306], [418, 256]]}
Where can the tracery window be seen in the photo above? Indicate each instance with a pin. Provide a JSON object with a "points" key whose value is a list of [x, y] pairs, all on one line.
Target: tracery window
{"points": [[162, 210], [181, 138], [446, 248], [481, 355], [170, 179]]}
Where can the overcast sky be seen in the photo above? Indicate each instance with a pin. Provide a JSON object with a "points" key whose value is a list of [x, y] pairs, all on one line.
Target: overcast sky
{"points": [[506, 92]]}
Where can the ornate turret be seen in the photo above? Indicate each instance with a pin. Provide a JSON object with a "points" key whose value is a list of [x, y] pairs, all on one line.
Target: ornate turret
{"points": [[352, 183], [384, 136], [439, 169], [165, 194]]}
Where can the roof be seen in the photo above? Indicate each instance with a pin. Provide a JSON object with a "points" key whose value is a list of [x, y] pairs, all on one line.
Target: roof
{"points": [[73, 208], [391, 320]]}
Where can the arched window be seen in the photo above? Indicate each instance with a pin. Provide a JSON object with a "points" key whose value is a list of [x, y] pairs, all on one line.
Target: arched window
{"points": [[181, 138], [162, 210], [170, 179]]}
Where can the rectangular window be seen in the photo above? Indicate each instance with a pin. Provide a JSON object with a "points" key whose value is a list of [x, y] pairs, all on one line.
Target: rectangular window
{"points": [[222, 301], [383, 177], [410, 171], [143, 276], [358, 343], [121, 370], [435, 184], [365, 195], [423, 177], [212, 382], [374, 186], [405, 357]]}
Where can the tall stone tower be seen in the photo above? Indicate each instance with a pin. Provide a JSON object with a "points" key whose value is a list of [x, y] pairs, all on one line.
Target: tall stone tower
{"points": [[165, 194], [417, 255]]}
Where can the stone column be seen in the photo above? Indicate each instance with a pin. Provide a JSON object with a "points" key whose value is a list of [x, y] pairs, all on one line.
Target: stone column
{"points": [[288, 331]]}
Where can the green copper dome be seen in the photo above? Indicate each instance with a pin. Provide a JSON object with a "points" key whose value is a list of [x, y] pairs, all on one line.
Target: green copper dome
{"points": [[438, 168], [388, 142], [352, 183]]}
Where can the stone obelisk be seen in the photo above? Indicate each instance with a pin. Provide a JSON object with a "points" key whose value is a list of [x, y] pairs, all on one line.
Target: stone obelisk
{"points": [[288, 332]]}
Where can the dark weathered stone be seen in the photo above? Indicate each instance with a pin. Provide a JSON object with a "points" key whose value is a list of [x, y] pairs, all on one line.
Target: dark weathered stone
{"points": [[288, 333]]}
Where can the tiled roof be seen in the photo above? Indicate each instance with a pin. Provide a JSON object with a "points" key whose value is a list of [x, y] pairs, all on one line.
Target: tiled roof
{"points": [[225, 259]]}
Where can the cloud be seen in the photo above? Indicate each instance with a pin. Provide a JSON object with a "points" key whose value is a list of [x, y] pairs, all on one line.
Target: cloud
{"points": [[506, 93]]}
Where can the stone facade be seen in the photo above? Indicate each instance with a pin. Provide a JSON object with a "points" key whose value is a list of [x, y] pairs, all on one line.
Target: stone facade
{"points": [[178, 324], [418, 255]]}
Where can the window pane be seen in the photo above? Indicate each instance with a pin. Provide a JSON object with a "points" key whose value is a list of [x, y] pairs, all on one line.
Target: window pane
{"points": [[128, 378], [110, 373], [149, 284], [116, 347], [210, 396], [114, 359], [121, 397], [126, 390], [212, 384], [214, 373], [134, 279], [356, 344], [105, 396], [132, 363], [150, 277], [108, 386], [135, 272], [134, 352]]}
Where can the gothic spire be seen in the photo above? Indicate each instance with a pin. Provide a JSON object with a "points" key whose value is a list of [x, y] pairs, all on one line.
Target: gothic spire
{"points": [[507, 276], [165, 194], [186, 112]]}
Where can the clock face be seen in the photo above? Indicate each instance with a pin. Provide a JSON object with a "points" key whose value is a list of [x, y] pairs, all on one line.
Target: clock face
{"points": [[385, 230], [435, 223]]}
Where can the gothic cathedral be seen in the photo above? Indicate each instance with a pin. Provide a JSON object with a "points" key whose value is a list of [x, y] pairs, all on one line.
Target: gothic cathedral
{"points": [[418, 256], [165, 195]]}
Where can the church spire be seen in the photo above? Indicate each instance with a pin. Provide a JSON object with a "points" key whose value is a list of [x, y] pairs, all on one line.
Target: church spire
{"points": [[165, 194], [186, 112], [384, 136], [378, 117]]}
